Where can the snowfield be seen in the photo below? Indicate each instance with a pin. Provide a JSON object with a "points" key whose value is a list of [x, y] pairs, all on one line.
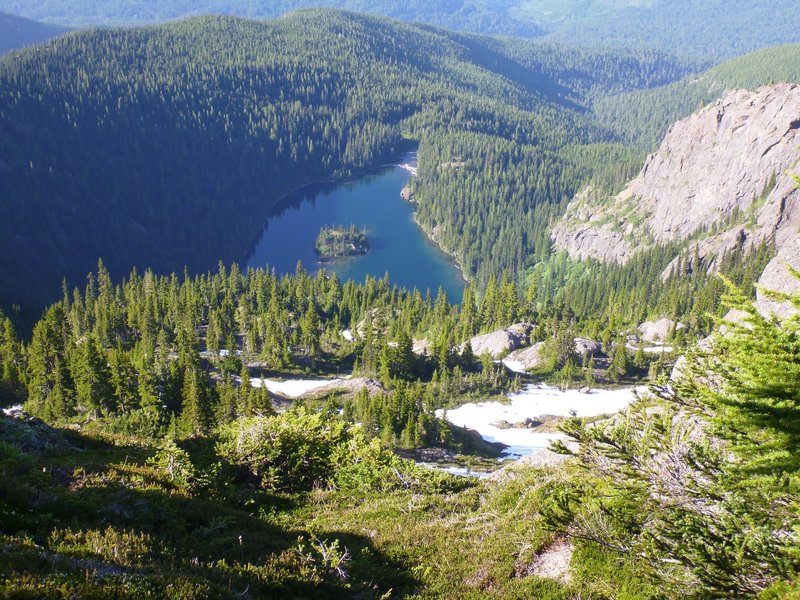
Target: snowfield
{"points": [[292, 388], [535, 401]]}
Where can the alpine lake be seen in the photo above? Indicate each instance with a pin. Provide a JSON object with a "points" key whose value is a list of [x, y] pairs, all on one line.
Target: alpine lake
{"points": [[372, 202]]}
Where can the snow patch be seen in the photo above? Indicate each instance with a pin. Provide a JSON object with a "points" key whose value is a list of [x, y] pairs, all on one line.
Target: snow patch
{"points": [[292, 388], [12, 411], [515, 366], [459, 471], [410, 168], [348, 335], [652, 349], [535, 401]]}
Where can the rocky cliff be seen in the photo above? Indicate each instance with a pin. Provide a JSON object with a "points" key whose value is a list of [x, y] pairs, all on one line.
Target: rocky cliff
{"points": [[722, 179]]}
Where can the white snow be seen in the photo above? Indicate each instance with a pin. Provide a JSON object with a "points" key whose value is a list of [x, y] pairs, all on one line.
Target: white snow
{"points": [[535, 401], [348, 335], [514, 366], [651, 349], [12, 411], [460, 471], [292, 387]]}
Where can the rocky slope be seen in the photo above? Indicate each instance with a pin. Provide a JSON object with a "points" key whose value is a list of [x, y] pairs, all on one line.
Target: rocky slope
{"points": [[722, 178], [778, 277]]}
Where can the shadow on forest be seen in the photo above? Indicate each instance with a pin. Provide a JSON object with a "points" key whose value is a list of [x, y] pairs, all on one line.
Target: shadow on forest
{"points": [[533, 80]]}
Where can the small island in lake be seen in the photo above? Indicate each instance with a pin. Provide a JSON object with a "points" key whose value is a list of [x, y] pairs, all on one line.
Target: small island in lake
{"points": [[336, 242]]}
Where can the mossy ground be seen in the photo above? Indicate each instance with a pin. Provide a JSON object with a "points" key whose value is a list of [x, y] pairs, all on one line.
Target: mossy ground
{"points": [[93, 516]]}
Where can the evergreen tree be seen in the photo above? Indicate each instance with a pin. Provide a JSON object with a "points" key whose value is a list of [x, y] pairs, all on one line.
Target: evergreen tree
{"points": [[699, 482], [93, 386], [11, 361], [122, 379], [260, 402], [245, 392], [228, 403], [47, 369], [619, 361], [195, 409]]}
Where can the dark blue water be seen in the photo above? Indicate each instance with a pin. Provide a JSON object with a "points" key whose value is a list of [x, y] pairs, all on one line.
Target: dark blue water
{"points": [[397, 245]]}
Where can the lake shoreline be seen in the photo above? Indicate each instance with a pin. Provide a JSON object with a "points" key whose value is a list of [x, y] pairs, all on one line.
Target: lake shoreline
{"points": [[403, 168], [333, 181], [433, 241]]}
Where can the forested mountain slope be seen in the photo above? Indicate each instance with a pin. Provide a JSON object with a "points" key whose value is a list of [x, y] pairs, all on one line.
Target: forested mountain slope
{"points": [[708, 30], [166, 146], [17, 32]]}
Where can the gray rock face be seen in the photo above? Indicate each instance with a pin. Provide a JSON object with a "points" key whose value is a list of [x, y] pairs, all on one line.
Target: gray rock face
{"points": [[591, 229], [727, 166], [719, 159], [658, 331], [778, 278]]}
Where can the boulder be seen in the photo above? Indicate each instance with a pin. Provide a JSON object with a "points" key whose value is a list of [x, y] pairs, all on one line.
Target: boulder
{"points": [[522, 328], [525, 359], [679, 370], [421, 347], [586, 347], [347, 386], [777, 278], [734, 316], [658, 331], [499, 342]]}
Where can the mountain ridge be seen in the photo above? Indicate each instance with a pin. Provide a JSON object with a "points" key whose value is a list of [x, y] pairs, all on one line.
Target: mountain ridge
{"points": [[713, 29]]}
